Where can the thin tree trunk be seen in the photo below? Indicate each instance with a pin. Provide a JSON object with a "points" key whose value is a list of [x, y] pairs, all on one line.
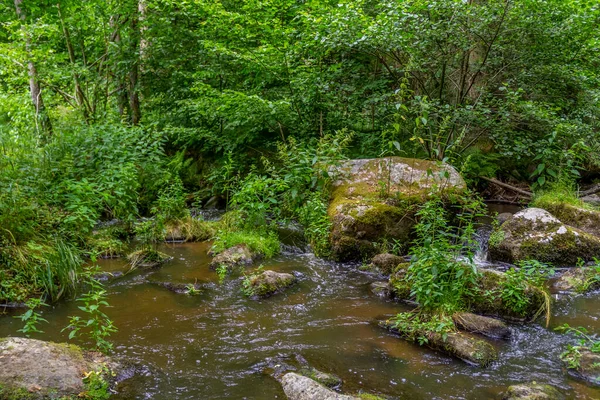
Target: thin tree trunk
{"points": [[34, 85], [79, 95]]}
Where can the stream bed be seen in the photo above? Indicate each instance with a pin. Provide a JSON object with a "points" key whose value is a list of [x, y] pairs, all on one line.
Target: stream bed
{"points": [[211, 345]]}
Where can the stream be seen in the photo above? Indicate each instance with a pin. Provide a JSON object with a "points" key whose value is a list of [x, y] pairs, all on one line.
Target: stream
{"points": [[211, 346]]}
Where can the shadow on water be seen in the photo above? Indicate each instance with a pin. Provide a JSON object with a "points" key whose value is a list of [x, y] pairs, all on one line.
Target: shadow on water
{"points": [[208, 346]]}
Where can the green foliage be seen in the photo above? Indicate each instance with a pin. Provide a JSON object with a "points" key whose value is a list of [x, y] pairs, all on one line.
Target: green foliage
{"points": [[517, 282], [266, 245], [95, 324], [31, 317], [438, 276], [317, 225], [96, 386], [561, 191], [416, 325], [222, 272]]}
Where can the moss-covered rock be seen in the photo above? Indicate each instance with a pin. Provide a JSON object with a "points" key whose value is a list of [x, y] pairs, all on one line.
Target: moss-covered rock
{"points": [[239, 255], [485, 326], [267, 283], [578, 280], [376, 200], [33, 369], [329, 380], [381, 289], [190, 229], [457, 344], [487, 298], [532, 391], [585, 219], [385, 263], [536, 234]]}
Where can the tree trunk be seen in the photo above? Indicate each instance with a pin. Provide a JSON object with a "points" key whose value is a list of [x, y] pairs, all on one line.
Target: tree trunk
{"points": [[34, 85]]}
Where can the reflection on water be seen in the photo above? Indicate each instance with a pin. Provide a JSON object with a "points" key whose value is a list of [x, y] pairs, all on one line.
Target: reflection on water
{"points": [[207, 346]]}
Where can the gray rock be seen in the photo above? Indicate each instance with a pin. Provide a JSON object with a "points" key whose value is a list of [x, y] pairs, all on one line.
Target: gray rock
{"points": [[577, 280], [536, 234], [592, 199], [299, 387], [43, 368], [589, 366], [381, 289], [532, 391]]}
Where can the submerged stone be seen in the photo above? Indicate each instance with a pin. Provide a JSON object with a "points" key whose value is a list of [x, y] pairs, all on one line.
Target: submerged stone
{"points": [[376, 199], [267, 283], [299, 387], [485, 326], [41, 369], [381, 289], [239, 255], [532, 391], [457, 344], [180, 288], [535, 234], [329, 380]]}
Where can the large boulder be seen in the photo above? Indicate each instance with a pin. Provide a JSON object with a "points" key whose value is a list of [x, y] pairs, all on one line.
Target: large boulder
{"points": [[534, 233], [41, 369], [461, 345], [532, 391], [385, 263], [299, 387], [375, 200]]}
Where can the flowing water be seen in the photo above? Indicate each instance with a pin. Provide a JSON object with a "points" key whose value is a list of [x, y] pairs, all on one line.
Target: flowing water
{"points": [[211, 346]]}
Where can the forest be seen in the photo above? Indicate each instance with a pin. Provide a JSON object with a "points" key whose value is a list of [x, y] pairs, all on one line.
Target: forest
{"points": [[299, 199]]}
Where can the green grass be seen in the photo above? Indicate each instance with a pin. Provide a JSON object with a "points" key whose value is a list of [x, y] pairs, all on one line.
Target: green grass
{"points": [[266, 244], [558, 193]]}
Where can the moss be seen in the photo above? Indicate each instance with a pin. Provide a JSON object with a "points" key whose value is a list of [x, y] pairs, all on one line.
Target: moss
{"points": [[368, 396], [16, 394], [265, 245], [147, 258], [192, 229], [323, 378]]}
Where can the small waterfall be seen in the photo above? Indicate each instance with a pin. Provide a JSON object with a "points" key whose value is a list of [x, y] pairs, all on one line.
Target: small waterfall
{"points": [[482, 237]]}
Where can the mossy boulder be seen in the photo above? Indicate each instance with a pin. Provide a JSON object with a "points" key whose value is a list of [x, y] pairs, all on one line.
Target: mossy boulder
{"points": [[485, 326], [461, 345], [381, 289], [181, 288], [238, 255], [585, 219], [300, 387], [190, 229], [588, 365], [34, 369], [329, 380], [536, 234], [578, 280], [375, 200], [487, 298], [532, 391], [267, 283], [385, 263]]}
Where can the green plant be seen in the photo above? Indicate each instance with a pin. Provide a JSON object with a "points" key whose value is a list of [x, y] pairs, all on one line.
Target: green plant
{"points": [[31, 317], [415, 325], [222, 272], [518, 280], [96, 386], [314, 217], [96, 324], [191, 290], [438, 276]]}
